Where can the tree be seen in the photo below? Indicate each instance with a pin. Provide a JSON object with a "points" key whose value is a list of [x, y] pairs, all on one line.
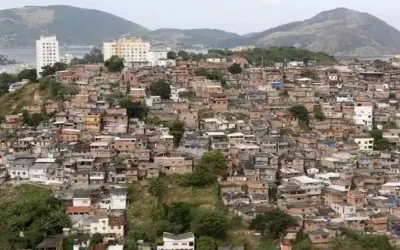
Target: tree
{"points": [[213, 224], [196, 57], [273, 55], [215, 162], [179, 213], [97, 239], [59, 67], [154, 120], [160, 88], [35, 119], [215, 75], [301, 113], [47, 71], [318, 114], [201, 72], [360, 240], [309, 73], [380, 143], [235, 69], [114, 64], [172, 55], [5, 80], [157, 187], [68, 243], [174, 218], [177, 129], [392, 95], [30, 74], [199, 178], [134, 236], [206, 243], [274, 223], [37, 216], [184, 55], [95, 56], [77, 61], [134, 109], [50, 70], [221, 52], [304, 245]]}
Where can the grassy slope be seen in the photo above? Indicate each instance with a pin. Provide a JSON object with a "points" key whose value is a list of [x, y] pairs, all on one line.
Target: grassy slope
{"points": [[12, 102], [10, 194], [204, 198]]}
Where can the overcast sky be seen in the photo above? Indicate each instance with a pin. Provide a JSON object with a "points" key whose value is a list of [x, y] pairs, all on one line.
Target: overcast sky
{"points": [[240, 16]]}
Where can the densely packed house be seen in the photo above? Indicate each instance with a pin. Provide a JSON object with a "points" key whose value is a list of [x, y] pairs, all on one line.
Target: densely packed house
{"points": [[335, 166]]}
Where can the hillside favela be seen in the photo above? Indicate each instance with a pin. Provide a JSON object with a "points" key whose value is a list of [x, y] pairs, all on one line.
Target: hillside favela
{"points": [[250, 125]]}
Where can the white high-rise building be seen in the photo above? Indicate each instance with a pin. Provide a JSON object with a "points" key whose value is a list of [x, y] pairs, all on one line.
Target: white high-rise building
{"points": [[47, 52], [129, 48]]}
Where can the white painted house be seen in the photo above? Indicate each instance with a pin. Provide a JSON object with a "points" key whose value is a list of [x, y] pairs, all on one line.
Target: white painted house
{"points": [[118, 199], [81, 198], [38, 172], [174, 95], [344, 209], [177, 242], [364, 143], [18, 167], [312, 186], [363, 115], [99, 224]]}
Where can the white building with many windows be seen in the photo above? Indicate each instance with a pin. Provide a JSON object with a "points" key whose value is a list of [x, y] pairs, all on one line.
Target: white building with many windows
{"points": [[363, 115], [47, 52], [129, 48], [184, 241], [364, 143]]}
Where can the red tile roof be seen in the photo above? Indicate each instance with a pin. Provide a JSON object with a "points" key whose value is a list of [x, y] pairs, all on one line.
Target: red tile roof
{"points": [[72, 210]]}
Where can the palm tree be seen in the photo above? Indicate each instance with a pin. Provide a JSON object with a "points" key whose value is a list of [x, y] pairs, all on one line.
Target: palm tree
{"points": [[58, 219]]}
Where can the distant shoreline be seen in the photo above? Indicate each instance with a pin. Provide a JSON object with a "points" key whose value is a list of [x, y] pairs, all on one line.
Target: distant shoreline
{"points": [[61, 46], [28, 55]]}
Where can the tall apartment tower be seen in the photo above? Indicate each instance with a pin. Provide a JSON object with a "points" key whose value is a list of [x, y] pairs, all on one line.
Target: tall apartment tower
{"points": [[47, 52], [130, 48]]}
